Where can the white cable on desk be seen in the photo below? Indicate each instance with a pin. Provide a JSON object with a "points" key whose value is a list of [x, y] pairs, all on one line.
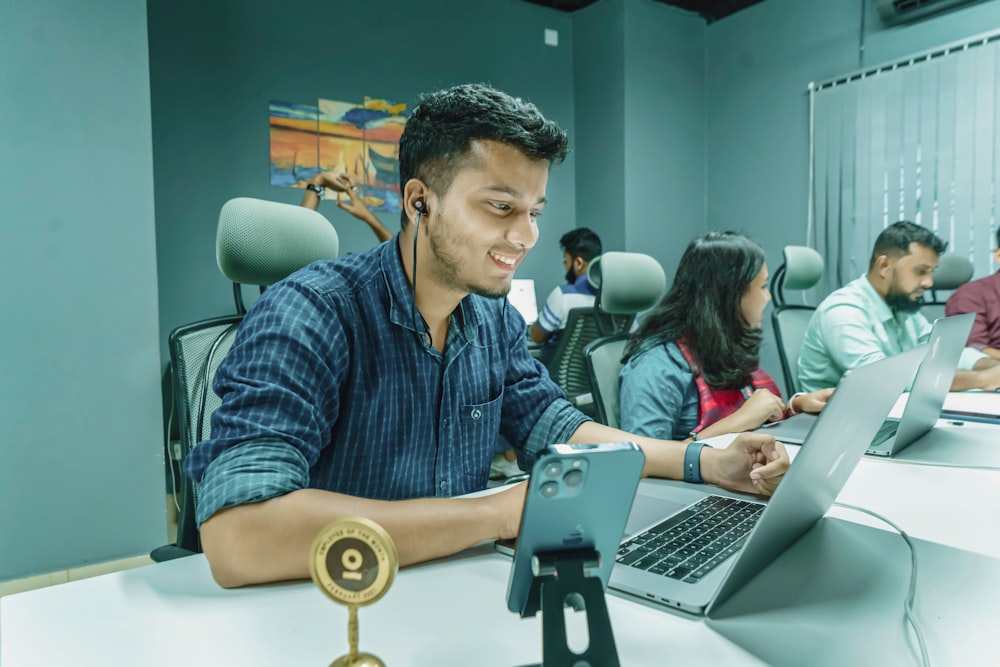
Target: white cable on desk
{"points": [[908, 614]]}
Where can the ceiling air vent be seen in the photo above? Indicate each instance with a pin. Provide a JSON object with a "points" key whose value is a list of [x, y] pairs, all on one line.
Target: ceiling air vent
{"points": [[903, 11]]}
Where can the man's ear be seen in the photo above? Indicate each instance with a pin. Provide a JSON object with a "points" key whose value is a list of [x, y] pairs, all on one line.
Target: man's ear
{"points": [[883, 265], [415, 196], [580, 265], [996, 256]]}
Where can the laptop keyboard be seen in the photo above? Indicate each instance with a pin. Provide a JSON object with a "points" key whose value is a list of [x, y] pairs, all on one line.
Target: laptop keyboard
{"points": [[886, 431], [689, 545]]}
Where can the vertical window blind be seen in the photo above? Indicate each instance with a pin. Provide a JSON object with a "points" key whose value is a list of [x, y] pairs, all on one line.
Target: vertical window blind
{"points": [[914, 140]]}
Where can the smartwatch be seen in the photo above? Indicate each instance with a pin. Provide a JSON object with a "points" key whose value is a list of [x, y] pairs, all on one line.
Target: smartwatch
{"points": [[318, 189]]}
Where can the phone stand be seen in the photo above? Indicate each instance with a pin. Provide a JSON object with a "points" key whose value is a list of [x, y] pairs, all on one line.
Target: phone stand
{"points": [[568, 578]]}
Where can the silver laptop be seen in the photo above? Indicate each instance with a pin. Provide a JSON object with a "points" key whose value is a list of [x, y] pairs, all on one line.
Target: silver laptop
{"points": [[685, 563], [793, 430], [930, 387]]}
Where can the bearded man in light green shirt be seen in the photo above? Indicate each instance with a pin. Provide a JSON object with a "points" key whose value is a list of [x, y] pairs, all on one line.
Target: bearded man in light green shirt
{"points": [[877, 315]]}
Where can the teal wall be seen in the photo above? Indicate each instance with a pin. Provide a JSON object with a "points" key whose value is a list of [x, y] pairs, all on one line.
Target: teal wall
{"points": [[640, 118], [664, 130], [599, 103], [81, 474], [758, 64], [215, 66]]}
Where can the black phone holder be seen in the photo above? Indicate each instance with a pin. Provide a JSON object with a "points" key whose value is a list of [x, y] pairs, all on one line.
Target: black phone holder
{"points": [[569, 578]]}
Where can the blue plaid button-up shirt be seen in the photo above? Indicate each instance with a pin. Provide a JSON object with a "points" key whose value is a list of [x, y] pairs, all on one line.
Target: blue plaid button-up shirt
{"points": [[329, 386]]}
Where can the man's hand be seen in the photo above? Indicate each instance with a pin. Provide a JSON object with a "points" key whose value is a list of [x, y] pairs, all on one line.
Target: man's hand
{"points": [[752, 463], [990, 378], [984, 375]]}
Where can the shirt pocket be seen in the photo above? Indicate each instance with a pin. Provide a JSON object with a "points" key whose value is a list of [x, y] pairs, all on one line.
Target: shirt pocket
{"points": [[478, 431]]}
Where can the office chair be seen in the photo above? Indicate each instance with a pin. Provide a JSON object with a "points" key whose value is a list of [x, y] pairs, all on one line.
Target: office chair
{"points": [[258, 243], [629, 283], [952, 272], [568, 366], [801, 270]]}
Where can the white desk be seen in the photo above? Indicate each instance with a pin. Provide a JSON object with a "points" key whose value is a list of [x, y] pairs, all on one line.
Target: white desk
{"points": [[962, 444], [835, 597]]}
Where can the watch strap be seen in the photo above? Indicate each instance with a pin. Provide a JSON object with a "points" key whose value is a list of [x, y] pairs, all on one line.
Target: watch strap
{"points": [[692, 462], [318, 189]]}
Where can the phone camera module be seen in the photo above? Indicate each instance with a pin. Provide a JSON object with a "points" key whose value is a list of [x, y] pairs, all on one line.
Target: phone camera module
{"points": [[549, 489], [573, 478], [554, 469]]}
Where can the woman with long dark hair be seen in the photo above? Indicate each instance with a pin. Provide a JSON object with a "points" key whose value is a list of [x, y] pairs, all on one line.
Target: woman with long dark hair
{"points": [[692, 368]]}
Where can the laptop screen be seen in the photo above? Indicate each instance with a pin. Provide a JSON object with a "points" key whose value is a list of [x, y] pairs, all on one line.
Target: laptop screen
{"points": [[522, 297]]}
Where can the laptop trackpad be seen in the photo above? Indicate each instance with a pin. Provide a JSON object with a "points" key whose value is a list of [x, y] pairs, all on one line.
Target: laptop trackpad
{"points": [[654, 502]]}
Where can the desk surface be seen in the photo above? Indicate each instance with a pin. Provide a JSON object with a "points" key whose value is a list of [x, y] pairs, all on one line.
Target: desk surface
{"points": [[835, 597]]}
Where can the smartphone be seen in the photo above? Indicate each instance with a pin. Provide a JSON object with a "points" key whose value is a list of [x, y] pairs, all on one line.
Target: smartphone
{"points": [[579, 496]]}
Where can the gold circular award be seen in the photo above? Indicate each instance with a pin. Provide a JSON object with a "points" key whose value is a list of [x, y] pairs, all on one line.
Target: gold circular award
{"points": [[353, 561]]}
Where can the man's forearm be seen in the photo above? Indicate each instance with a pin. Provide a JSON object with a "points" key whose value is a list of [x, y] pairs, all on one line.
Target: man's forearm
{"points": [[663, 458], [270, 540], [538, 334]]}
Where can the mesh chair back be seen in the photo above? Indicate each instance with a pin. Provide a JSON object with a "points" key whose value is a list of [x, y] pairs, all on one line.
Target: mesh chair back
{"points": [[568, 366], [257, 243], [196, 350], [604, 362]]}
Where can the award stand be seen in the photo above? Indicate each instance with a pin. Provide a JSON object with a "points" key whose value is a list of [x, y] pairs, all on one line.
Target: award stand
{"points": [[353, 561], [566, 578]]}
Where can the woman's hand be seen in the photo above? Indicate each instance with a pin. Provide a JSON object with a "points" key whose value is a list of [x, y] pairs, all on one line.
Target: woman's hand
{"points": [[813, 402]]}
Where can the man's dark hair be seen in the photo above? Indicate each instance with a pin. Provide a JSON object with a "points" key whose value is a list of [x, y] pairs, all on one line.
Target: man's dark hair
{"points": [[704, 307], [436, 142], [998, 237], [895, 240], [581, 243]]}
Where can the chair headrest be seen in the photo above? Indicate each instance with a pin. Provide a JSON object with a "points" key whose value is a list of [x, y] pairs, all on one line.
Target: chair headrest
{"points": [[260, 242], [953, 271], [803, 267], [626, 282]]}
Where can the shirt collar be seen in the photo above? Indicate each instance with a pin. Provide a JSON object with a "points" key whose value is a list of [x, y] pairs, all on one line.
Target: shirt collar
{"points": [[880, 309], [582, 285], [467, 316]]}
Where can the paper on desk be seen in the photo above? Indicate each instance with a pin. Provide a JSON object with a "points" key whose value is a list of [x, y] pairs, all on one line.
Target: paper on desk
{"points": [[973, 401], [969, 401]]}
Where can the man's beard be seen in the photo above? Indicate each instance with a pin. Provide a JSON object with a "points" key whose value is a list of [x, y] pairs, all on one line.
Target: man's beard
{"points": [[448, 265], [901, 301], [571, 276]]}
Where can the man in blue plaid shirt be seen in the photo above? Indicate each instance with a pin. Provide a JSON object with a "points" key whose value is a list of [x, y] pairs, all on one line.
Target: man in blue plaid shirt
{"points": [[377, 384]]}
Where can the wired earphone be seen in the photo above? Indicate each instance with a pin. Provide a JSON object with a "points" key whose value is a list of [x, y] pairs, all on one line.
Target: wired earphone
{"points": [[424, 336]]}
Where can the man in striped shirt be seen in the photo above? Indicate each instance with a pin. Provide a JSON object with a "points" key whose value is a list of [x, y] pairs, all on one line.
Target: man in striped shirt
{"points": [[579, 247], [378, 384]]}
